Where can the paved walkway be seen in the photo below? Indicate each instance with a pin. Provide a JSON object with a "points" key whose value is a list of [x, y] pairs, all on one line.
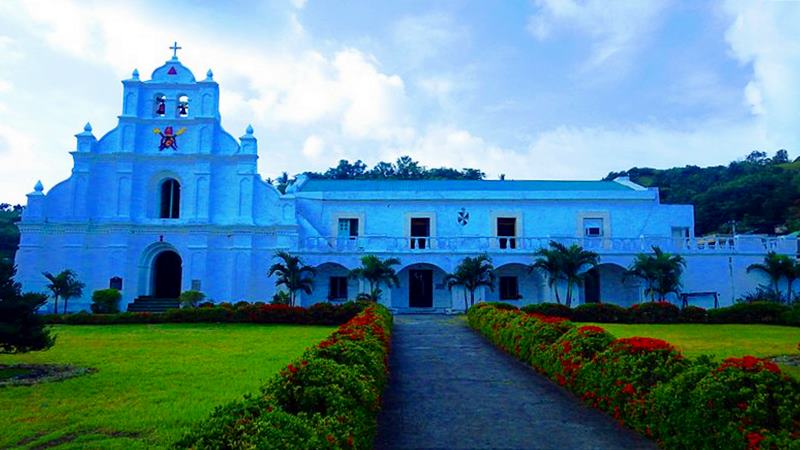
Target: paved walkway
{"points": [[451, 389]]}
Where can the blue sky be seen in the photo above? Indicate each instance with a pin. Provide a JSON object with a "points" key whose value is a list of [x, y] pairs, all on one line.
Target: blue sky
{"points": [[543, 89]]}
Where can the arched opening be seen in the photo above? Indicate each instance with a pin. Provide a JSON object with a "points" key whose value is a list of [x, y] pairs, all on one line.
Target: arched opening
{"points": [[607, 283], [183, 106], [160, 105], [170, 199], [591, 286], [167, 275]]}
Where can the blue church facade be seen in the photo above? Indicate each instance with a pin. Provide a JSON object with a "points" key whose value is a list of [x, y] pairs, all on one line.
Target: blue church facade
{"points": [[169, 201]]}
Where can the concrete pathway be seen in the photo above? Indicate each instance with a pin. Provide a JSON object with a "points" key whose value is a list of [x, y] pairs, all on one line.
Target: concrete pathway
{"points": [[451, 389]]}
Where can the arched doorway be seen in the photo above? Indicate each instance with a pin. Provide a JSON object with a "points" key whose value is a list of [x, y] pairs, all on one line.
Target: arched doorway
{"points": [[167, 275]]}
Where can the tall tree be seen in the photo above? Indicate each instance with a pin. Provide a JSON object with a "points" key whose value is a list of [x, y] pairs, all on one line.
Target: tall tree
{"points": [[65, 286], [776, 267], [661, 272], [472, 273], [376, 271], [573, 262], [293, 274], [548, 261]]}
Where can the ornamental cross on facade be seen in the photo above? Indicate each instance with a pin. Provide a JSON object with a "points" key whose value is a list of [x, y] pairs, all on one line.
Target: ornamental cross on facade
{"points": [[175, 49]]}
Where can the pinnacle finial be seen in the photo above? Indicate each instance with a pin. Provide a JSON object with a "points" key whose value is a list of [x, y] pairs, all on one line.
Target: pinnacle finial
{"points": [[135, 74], [209, 75], [249, 130], [88, 127], [39, 187]]}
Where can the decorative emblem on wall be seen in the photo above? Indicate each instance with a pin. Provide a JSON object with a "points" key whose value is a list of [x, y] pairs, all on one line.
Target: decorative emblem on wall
{"points": [[168, 137], [463, 217]]}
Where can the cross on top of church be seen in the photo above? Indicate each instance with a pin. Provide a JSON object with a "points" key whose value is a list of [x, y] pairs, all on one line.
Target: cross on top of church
{"points": [[175, 49]]}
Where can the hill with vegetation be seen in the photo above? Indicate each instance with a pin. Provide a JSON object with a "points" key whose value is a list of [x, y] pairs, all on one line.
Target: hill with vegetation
{"points": [[9, 233], [759, 194]]}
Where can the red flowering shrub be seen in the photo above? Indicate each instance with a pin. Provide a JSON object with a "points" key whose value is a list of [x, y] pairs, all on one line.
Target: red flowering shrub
{"points": [[620, 378], [327, 399], [567, 356], [321, 313], [645, 383], [742, 403], [549, 309], [654, 312]]}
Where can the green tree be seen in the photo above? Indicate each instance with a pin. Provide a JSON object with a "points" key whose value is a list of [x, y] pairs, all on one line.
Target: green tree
{"points": [[776, 267], [661, 272], [21, 328], [574, 262], [292, 274], [376, 271], [65, 286], [472, 273], [548, 260]]}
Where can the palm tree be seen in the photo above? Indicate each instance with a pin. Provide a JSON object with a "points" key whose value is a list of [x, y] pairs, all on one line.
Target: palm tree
{"points": [[548, 261], [573, 260], [64, 285], [776, 266], [472, 273], [293, 274], [661, 271], [376, 271]]}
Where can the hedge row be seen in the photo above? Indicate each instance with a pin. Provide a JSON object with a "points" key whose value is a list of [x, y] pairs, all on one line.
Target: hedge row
{"points": [[647, 385], [329, 398], [318, 314], [665, 312]]}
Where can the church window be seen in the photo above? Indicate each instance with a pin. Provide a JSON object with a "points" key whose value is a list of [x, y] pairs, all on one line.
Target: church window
{"points": [[160, 105], [183, 106], [170, 199]]}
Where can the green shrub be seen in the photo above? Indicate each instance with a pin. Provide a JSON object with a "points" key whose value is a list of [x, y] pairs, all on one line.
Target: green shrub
{"points": [[501, 305], [190, 299], [600, 312], [647, 385], [654, 312], [693, 314], [106, 301], [741, 403], [756, 312], [549, 309], [619, 379], [327, 399], [792, 316], [567, 356]]}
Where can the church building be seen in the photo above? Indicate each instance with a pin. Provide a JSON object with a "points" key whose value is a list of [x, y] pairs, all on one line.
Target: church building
{"points": [[168, 201]]}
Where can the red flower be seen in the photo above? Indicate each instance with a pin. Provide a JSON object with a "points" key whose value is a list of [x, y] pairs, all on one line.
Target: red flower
{"points": [[749, 364], [635, 345], [586, 329], [628, 389], [754, 440]]}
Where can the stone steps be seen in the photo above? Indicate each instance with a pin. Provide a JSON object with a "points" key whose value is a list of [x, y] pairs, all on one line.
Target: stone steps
{"points": [[150, 304]]}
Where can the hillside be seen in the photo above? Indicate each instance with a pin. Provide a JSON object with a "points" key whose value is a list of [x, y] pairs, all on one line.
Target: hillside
{"points": [[761, 194]]}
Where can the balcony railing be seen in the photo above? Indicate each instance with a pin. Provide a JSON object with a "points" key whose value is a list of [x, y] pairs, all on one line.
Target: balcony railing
{"points": [[495, 244]]}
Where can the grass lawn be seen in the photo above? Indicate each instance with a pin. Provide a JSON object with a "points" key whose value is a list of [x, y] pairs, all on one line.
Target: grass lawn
{"points": [[153, 381], [722, 341]]}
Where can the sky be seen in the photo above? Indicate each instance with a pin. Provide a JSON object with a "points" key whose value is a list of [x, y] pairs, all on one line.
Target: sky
{"points": [[541, 89]]}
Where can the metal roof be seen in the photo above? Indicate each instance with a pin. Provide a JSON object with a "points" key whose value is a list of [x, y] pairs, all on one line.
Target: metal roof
{"points": [[318, 185]]}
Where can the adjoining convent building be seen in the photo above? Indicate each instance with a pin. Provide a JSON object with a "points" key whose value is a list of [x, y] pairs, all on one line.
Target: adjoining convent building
{"points": [[169, 201]]}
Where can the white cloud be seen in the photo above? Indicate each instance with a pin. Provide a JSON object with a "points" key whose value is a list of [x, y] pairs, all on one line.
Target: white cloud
{"points": [[764, 35], [299, 4], [616, 28], [423, 37], [313, 146]]}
